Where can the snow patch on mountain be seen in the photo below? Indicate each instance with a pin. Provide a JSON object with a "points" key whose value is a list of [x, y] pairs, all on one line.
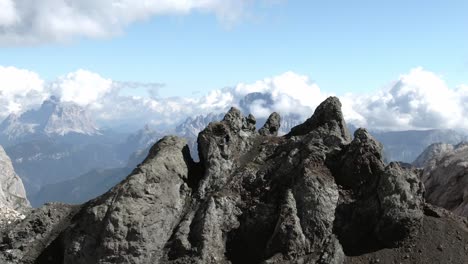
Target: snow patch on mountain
{"points": [[52, 118]]}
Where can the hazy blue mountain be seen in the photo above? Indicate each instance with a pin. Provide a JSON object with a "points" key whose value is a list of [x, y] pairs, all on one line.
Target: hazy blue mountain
{"points": [[49, 155], [82, 188], [56, 142], [190, 128], [129, 152], [41, 162], [53, 118], [95, 182], [139, 140], [407, 145]]}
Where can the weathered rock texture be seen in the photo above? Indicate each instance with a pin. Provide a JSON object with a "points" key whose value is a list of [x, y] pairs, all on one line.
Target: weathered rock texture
{"points": [[312, 196], [12, 193], [445, 176], [13, 201]]}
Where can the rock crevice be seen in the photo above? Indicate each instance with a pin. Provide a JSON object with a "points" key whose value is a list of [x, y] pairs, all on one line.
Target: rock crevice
{"points": [[312, 196]]}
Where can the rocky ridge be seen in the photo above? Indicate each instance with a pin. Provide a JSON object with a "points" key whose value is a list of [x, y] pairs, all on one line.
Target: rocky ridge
{"points": [[52, 118], [12, 193], [13, 201], [445, 175], [315, 195], [405, 146]]}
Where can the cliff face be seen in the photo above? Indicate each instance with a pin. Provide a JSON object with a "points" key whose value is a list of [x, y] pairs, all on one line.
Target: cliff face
{"points": [[12, 194], [52, 118], [314, 195], [445, 175]]}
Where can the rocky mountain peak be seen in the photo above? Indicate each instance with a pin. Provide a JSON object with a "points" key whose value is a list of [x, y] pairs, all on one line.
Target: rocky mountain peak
{"points": [[430, 155], [52, 100], [193, 125], [272, 125], [252, 198], [51, 118], [327, 116], [445, 175]]}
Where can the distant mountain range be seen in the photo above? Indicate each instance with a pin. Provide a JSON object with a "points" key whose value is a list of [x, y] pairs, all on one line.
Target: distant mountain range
{"points": [[60, 147], [264, 100], [315, 195], [82, 188], [407, 145], [53, 118], [56, 142]]}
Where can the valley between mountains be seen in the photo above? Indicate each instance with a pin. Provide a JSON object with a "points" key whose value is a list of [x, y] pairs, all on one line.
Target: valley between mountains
{"points": [[241, 190]]}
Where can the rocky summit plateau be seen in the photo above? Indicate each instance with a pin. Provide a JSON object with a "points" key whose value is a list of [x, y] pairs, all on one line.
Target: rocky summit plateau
{"points": [[314, 195]]}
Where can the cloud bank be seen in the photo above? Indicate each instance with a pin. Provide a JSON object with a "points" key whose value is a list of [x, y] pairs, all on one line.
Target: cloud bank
{"points": [[419, 99], [31, 21]]}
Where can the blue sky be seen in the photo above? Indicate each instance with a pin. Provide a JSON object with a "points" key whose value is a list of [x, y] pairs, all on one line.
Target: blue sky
{"points": [[345, 46], [395, 65]]}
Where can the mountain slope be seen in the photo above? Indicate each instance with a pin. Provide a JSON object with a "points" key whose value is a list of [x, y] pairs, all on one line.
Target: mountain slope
{"points": [[12, 193], [51, 119], [42, 162], [57, 142], [13, 201], [314, 195], [445, 176], [82, 188], [405, 146]]}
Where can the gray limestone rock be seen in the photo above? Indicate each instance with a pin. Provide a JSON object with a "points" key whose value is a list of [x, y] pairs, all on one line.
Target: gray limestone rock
{"points": [[27, 241], [445, 176], [308, 197], [272, 125], [327, 115], [400, 194], [362, 162], [132, 222], [12, 193]]}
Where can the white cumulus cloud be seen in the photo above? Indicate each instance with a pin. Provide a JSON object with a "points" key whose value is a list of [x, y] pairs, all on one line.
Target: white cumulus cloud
{"points": [[81, 87], [32, 21], [19, 89], [8, 15], [419, 99], [290, 93]]}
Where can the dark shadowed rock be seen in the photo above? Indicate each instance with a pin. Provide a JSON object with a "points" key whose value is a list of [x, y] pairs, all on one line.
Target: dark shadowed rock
{"points": [[272, 125], [361, 162], [27, 240], [400, 194], [251, 199], [132, 222], [328, 116], [380, 206]]}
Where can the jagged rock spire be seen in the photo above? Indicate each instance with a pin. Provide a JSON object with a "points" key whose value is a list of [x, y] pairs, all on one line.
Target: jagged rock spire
{"points": [[272, 125], [328, 116], [251, 199]]}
